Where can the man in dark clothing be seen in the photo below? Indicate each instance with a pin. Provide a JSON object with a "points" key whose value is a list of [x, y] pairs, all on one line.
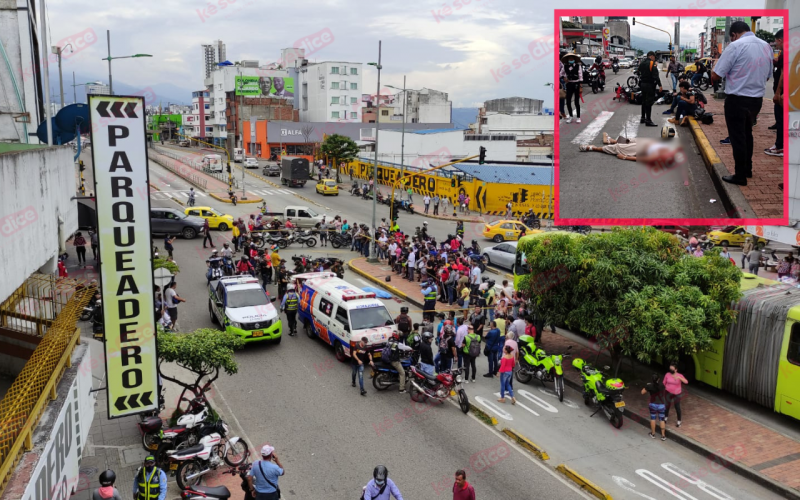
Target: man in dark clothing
{"points": [[777, 89], [649, 79], [360, 357], [426, 353], [700, 70], [207, 234]]}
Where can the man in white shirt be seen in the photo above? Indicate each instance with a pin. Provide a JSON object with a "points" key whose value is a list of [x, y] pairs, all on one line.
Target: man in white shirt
{"points": [[746, 65], [508, 289], [410, 264], [427, 201], [382, 246]]}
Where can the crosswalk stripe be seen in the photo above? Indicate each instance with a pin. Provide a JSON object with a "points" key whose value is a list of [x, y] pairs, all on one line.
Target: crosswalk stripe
{"points": [[593, 128], [494, 408], [519, 404]]}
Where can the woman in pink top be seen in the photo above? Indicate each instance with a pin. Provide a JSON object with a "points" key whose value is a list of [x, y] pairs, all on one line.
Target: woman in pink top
{"points": [[672, 383], [507, 363]]}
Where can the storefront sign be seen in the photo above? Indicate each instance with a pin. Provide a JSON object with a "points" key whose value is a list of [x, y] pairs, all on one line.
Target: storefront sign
{"points": [[119, 159]]}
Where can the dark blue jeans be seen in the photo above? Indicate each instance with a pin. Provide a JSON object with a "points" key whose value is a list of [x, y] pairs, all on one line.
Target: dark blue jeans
{"points": [[359, 369], [494, 361], [684, 109]]}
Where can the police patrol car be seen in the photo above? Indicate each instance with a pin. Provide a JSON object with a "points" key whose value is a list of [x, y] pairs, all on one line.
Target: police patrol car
{"points": [[241, 306], [341, 314]]}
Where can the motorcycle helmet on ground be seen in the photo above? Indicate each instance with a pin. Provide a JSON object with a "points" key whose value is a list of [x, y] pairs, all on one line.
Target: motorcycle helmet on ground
{"points": [[667, 132], [380, 474]]}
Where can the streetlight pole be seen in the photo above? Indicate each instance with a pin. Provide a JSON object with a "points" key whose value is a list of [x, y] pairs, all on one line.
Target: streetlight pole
{"points": [[57, 51], [110, 84], [74, 92], [46, 75], [373, 254]]}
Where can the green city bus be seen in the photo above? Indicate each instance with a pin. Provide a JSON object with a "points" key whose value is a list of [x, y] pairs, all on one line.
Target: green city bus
{"points": [[758, 357]]}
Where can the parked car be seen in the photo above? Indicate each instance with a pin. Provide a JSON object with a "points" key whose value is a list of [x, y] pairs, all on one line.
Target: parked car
{"points": [[501, 255], [184, 143], [678, 230], [271, 169], [173, 221], [607, 63], [216, 219], [625, 63], [250, 163]]}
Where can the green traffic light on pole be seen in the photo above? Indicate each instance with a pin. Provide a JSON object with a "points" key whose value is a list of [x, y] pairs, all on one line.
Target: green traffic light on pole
{"points": [[482, 158]]}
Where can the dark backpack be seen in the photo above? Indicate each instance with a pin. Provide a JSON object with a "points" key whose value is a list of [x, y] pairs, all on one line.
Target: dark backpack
{"points": [[404, 324], [475, 347]]}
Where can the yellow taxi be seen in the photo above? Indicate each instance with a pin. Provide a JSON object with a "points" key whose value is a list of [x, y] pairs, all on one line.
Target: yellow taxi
{"points": [[734, 236], [216, 219], [506, 230], [328, 186], [707, 61]]}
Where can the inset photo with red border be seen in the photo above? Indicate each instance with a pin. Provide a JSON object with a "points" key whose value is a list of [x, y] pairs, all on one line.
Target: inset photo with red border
{"points": [[671, 116]]}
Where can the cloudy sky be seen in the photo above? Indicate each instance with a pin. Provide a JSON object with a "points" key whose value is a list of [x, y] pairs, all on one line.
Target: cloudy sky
{"points": [[472, 49]]}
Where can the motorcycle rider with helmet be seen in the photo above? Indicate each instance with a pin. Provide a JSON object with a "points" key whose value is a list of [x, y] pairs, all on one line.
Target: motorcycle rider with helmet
{"points": [[396, 349], [426, 353], [107, 491], [380, 486], [245, 267], [213, 262], [601, 70]]}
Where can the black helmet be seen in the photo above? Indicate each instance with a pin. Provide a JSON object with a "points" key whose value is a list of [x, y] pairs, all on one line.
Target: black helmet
{"points": [[380, 474], [427, 336], [107, 478], [403, 310], [598, 59]]}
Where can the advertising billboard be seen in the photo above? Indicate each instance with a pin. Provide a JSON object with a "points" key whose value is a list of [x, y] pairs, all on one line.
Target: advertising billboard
{"points": [[272, 86], [119, 160]]}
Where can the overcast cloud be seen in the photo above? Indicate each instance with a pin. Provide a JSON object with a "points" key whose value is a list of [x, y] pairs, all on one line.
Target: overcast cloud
{"points": [[472, 49]]}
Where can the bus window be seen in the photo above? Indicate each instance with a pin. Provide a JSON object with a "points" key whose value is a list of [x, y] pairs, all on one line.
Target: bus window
{"points": [[793, 353]]}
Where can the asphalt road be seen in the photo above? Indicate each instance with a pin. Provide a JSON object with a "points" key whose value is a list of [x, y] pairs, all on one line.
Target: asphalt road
{"points": [[595, 185]]}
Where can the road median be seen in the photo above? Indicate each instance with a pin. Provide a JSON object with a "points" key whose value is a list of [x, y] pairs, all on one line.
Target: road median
{"points": [[584, 483], [526, 443]]}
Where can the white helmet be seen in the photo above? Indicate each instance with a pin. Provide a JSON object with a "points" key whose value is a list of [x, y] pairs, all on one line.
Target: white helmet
{"points": [[289, 288], [424, 223], [667, 132]]}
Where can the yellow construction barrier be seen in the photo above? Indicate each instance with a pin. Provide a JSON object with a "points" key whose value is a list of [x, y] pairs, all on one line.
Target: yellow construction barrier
{"points": [[485, 197]]}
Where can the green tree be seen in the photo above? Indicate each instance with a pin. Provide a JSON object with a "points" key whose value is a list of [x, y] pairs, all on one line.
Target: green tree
{"points": [[765, 35], [339, 148], [635, 291], [158, 263], [203, 352]]}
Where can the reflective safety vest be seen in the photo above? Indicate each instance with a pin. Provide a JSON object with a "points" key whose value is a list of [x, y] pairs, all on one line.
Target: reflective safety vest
{"points": [[431, 295], [149, 487], [291, 302]]}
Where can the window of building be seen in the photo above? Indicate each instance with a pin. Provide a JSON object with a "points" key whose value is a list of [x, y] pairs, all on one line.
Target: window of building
{"points": [[196, 107], [334, 100], [209, 129], [344, 86], [208, 118], [353, 115], [334, 114], [206, 105], [334, 70], [353, 71], [384, 112], [334, 85], [353, 86], [793, 354], [354, 100]]}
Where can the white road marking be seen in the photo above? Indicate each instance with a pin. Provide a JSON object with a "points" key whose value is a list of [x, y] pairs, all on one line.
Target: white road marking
{"points": [[362, 281], [566, 402], [664, 485], [593, 128], [494, 408], [629, 486], [520, 404], [538, 401], [631, 127], [714, 492]]}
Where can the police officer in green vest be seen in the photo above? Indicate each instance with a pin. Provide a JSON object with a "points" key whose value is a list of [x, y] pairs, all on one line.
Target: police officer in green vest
{"points": [[289, 306], [429, 293], [150, 482]]}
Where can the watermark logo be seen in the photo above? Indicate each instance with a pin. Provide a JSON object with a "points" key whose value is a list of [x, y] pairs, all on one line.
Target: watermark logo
{"points": [[315, 42], [210, 9], [537, 50], [18, 220]]}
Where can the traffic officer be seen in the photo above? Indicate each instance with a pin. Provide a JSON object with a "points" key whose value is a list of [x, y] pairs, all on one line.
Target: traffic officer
{"points": [[289, 306], [649, 80], [150, 482], [283, 280], [429, 294], [460, 228]]}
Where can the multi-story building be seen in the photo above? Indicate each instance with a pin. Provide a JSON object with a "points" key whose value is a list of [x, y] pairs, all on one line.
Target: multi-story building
{"points": [[330, 91], [770, 24], [213, 53], [196, 123], [522, 118], [98, 88], [425, 106]]}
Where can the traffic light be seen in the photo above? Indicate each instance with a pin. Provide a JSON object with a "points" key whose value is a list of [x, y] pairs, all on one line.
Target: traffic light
{"points": [[482, 158], [670, 47], [452, 182], [81, 166], [229, 168], [392, 212], [634, 21]]}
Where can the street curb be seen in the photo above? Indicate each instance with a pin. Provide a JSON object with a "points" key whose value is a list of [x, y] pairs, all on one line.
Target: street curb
{"points": [[584, 483], [483, 416], [501, 273], [712, 456], [225, 200], [378, 282], [734, 201], [526, 443]]}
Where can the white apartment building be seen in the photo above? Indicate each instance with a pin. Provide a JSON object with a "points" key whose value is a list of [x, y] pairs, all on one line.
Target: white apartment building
{"points": [[425, 148], [330, 92], [98, 88], [771, 24], [213, 53], [425, 106]]}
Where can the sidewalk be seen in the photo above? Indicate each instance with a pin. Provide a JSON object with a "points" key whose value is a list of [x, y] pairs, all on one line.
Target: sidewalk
{"points": [[761, 192]]}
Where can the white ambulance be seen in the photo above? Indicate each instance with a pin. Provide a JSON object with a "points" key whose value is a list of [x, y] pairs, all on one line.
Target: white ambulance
{"points": [[341, 314]]}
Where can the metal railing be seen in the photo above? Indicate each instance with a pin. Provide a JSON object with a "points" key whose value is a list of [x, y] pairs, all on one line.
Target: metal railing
{"points": [[195, 163], [47, 308], [179, 170]]}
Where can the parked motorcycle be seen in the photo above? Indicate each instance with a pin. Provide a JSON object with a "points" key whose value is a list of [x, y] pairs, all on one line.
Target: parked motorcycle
{"points": [[186, 430], [305, 238], [221, 492], [581, 229], [535, 363], [341, 240], [88, 311], [633, 81], [604, 392], [207, 455], [98, 328], [439, 387]]}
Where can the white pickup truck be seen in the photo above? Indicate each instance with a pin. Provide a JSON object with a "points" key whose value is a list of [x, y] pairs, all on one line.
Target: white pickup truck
{"points": [[301, 216], [241, 306]]}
